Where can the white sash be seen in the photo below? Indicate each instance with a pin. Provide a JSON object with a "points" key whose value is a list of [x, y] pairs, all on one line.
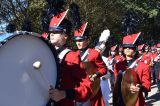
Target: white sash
{"points": [[134, 63], [84, 57], [62, 54]]}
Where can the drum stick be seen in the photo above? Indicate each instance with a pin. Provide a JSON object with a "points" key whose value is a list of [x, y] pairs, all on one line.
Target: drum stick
{"points": [[37, 66]]}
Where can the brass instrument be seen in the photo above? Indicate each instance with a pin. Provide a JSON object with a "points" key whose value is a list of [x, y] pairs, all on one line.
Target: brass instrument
{"points": [[95, 85], [130, 77]]}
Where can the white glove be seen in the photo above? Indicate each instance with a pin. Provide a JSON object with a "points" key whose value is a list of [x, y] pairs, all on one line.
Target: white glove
{"points": [[104, 36], [102, 40]]}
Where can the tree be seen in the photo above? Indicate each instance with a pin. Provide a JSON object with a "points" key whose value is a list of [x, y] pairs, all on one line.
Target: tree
{"points": [[99, 13], [26, 26], [10, 28], [15, 11]]}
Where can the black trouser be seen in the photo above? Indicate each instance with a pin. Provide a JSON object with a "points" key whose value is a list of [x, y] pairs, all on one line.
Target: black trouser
{"points": [[153, 75]]}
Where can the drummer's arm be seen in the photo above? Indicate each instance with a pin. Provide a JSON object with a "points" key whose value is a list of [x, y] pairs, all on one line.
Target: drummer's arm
{"points": [[80, 94], [57, 95], [82, 91]]}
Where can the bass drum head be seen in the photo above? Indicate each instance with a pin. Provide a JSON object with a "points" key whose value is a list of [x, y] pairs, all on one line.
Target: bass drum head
{"points": [[21, 83]]}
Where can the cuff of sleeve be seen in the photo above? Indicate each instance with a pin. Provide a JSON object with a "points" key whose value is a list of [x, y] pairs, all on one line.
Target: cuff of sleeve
{"points": [[70, 93], [100, 46]]}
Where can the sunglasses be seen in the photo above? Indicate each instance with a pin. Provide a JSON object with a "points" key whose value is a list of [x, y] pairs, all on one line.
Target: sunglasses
{"points": [[129, 48], [81, 40], [57, 32]]}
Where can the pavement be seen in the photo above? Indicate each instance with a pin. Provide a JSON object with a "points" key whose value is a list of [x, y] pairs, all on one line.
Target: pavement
{"points": [[153, 97]]}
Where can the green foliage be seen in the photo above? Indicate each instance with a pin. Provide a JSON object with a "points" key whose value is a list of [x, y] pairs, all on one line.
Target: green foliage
{"points": [[153, 13], [99, 13]]}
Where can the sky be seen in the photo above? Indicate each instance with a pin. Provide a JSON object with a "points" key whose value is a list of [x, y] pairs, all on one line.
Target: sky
{"points": [[3, 27]]}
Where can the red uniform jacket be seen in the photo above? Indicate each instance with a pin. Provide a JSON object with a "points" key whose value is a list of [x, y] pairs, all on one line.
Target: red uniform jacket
{"points": [[154, 55], [101, 69], [143, 71], [117, 58], [112, 62], [95, 57], [74, 80], [120, 58], [146, 58]]}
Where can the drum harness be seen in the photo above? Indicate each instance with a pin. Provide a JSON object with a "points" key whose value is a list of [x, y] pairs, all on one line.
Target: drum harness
{"points": [[62, 54]]}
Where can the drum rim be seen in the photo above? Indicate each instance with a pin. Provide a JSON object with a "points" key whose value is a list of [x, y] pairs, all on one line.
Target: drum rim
{"points": [[16, 33], [52, 48]]}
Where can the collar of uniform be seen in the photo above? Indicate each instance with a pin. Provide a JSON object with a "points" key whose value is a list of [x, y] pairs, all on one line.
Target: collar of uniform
{"points": [[82, 51], [129, 62], [59, 50]]}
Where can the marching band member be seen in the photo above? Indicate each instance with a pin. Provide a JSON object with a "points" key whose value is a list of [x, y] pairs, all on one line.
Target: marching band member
{"points": [[142, 74], [147, 59], [73, 83], [112, 60], [120, 56], [113, 57], [154, 55], [146, 56], [104, 80], [140, 49], [92, 62], [157, 65], [105, 84]]}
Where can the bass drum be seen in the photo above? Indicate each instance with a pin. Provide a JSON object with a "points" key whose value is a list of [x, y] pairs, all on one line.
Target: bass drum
{"points": [[21, 83]]}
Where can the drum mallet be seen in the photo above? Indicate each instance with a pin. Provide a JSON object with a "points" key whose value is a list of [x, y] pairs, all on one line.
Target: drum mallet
{"points": [[37, 66]]}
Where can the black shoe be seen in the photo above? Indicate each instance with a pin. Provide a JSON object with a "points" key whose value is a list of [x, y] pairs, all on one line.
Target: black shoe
{"points": [[154, 81], [146, 95]]}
